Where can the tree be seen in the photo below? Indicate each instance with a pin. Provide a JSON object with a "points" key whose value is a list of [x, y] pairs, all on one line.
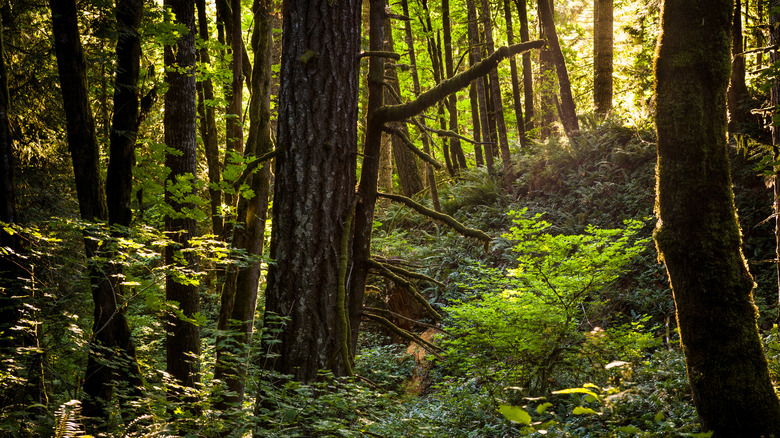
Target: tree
{"points": [[698, 236], [528, 80], [183, 336], [315, 180], [602, 55], [566, 106], [518, 105], [737, 94], [112, 352], [475, 56]]}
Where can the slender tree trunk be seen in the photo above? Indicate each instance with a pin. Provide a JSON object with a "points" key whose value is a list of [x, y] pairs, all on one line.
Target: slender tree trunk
{"points": [[528, 79], [405, 161], [429, 173], [774, 57], [567, 109], [474, 58], [183, 337], [476, 131], [458, 157], [698, 235], [737, 92], [243, 281], [110, 343], [314, 184], [498, 106], [518, 104], [602, 55], [208, 127]]}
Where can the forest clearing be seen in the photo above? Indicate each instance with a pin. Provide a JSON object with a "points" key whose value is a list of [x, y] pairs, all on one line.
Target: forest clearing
{"points": [[389, 218]]}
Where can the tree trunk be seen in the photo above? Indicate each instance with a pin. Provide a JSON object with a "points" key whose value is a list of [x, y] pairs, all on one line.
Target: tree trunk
{"points": [[698, 235], [110, 344], [429, 173], [475, 57], [602, 55], [208, 127], [315, 181], [458, 157], [568, 112], [405, 161], [242, 282], [183, 337], [498, 106], [518, 104], [528, 80], [737, 93], [774, 57]]}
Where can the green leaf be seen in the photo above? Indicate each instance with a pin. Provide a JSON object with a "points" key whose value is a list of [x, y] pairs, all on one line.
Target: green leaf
{"points": [[577, 391], [515, 414], [628, 429], [543, 407], [698, 435], [659, 417], [579, 410]]}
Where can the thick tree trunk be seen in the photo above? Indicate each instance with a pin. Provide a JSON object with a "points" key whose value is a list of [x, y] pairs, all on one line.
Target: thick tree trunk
{"points": [[110, 344], [737, 92], [568, 111], [183, 337], [518, 104], [242, 282], [208, 127], [475, 57], [315, 181], [602, 55], [698, 235], [429, 173]]}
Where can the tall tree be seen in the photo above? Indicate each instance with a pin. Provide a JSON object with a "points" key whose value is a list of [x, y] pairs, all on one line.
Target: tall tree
{"points": [[774, 95], [737, 93], [315, 180], [475, 56], [183, 336], [528, 80], [603, 18], [111, 353], [698, 236], [241, 283], [458, 157], [518, 104], [567, 109]]}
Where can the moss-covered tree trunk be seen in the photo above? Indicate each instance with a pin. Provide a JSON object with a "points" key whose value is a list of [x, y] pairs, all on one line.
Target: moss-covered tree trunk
{"points": [[698, 236]]}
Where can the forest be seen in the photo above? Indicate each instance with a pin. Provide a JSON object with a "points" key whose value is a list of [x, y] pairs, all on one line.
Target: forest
{"points": [[389, 218]]}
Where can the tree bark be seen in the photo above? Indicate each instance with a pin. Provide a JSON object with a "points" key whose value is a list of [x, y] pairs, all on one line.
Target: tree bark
{"points": [[429, 173], [458, 157], [183, 337], [475, 56], [242, 282], [518, 104], [697, 235], [568, 111], [528, 79], [208, 127], [110, 343], [774, 95], [602, 55], [315, 181]]}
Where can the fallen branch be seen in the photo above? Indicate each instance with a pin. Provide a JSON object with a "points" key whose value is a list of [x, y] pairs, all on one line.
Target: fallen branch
{"points": [[407, 273], [429, 347], [441, 217], [377, 310], [386, 272], [453, 134], [425, 157], [251, 166]]}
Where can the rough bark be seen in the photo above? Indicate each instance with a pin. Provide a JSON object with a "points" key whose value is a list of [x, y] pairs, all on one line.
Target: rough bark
{"points": [[568, 111], [602, 55], [244, 280], [429, 173], [774, 95], [315, 181], [183, 337], [698, 235], [737, 93]]}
